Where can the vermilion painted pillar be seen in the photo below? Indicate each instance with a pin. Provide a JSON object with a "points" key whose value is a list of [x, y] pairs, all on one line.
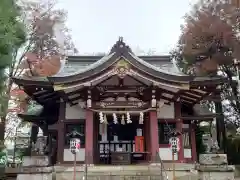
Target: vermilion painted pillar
{"points": [[89, 140], [179, 124], [61, 132], [153, 135], [193, 143], [181, 151]]}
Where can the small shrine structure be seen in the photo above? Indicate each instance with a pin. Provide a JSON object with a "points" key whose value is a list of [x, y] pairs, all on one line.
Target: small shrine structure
{"points": [[125, 106]]}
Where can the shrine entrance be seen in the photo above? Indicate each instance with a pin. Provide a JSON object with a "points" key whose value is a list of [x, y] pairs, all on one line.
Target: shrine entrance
{"points": [[121, 140]]}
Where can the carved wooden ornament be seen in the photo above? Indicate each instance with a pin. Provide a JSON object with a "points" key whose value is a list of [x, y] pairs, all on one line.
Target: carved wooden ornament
{"points": [[122, 68]]}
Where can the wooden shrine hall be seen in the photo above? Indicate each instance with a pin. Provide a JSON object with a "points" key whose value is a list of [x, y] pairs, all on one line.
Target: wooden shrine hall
{"points": [[125, 106]]}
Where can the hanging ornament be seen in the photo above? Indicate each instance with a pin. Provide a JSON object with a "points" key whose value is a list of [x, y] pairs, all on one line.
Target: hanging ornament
{"points": [[105, 119], [89, 103], [128, 118], [89, 100], [115, 121], [101, 119], [122, 120], [141, 118], [154, 101]]}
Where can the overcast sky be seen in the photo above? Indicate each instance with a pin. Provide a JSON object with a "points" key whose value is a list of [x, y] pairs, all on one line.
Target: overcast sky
{"points": [[147, 24]]}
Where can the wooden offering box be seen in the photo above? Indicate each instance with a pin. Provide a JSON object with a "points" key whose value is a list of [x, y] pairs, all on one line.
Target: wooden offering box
{"points": [[121, 158]]}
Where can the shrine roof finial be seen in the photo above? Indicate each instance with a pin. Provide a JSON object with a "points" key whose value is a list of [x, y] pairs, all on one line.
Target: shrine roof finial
{"points": [[120, 46], [120, 39]]}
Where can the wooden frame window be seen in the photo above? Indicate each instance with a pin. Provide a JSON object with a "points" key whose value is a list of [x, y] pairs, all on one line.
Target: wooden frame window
{"points": [[79, 127], [164, 131]]}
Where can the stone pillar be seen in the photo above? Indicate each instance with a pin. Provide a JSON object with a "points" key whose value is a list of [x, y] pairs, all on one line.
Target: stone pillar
{"points": [[35, 167], [89, 137], [153, 135], [61, 133]]}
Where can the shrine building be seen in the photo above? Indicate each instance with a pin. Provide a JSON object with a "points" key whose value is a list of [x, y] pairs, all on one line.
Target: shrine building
{"points": [[121, 104]]}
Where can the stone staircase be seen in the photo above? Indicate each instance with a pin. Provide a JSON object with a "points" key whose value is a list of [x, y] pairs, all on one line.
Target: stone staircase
{"points": [[136, 172], [110, 172], [36, 169]]}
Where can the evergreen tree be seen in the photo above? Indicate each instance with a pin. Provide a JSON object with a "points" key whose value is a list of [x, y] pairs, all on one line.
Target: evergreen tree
{"points": [[12, 36]]}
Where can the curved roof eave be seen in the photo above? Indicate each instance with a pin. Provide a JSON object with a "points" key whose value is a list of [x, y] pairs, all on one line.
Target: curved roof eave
{"points": [[107, 61], [216, 80], [31, 81], [157, 72], [83, 73]]}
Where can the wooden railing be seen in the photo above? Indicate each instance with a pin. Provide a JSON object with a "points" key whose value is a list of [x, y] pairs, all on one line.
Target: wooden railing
{"points": [[113, 146], [109, 150]]}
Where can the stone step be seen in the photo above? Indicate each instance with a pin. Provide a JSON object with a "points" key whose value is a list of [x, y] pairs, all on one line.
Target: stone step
{"points": [[81, 176], [136, 168], [113, 172]]}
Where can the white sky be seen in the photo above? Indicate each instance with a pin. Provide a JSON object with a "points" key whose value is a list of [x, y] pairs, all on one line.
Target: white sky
{"points": [[146, 24]]}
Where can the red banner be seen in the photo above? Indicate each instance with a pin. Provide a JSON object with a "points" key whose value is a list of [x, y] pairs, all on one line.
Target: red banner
{"points": [[139, 144]]}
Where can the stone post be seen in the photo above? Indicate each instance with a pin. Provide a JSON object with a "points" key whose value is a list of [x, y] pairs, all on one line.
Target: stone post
{"points": [[36, 165]]}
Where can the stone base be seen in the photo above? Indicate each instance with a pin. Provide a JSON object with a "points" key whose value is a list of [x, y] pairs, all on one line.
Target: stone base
{"points": [[213, 159], [216, 175], [182, 172], [218, 172], [41, 176], [35, 173], [35, 161]]}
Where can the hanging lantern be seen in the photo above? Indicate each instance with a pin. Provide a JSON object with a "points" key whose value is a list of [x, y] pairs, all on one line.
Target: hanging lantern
{"points": [[128, 118], [75, 141], [122, 120], [101, 118], [115, 121], [75, 144]]}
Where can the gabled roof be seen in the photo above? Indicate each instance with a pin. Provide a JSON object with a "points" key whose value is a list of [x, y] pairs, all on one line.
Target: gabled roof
{"points": [[120, 50], [75, 63], [165, 71], [80, 71]]}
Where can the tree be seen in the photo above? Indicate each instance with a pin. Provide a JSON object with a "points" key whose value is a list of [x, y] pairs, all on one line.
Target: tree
{"points": [[47, 42], [209, 45], [12, 37]]}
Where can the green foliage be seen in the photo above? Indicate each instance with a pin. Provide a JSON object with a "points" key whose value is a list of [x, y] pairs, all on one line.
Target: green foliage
{"points": [[3, 158], [12, 33], [12, 36]]}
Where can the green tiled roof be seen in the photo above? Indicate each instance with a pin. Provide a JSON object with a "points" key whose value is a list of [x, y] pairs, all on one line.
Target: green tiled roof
{"points": [[77, 64]]}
